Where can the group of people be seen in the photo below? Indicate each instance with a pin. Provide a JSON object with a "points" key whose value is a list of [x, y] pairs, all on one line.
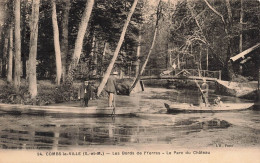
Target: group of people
{"points": [[86, 93], [204, 94]]}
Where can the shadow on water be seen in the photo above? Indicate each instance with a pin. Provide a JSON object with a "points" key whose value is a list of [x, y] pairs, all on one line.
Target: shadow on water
{"points": [[56, 131], [210, 124], [194, 125]]}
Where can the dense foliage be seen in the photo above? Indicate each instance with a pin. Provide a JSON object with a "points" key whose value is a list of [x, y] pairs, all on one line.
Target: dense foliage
{"points": [[199, 34]]}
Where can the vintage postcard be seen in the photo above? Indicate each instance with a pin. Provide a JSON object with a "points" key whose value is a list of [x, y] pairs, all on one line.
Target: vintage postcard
{"points": [[129, 81]]}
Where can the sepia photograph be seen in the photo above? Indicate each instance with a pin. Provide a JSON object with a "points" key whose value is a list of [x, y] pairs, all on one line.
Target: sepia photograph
{"points": [[129, 81]]}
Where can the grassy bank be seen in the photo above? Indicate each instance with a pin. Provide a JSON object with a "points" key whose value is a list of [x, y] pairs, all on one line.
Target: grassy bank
{"points": [[50, 93]]}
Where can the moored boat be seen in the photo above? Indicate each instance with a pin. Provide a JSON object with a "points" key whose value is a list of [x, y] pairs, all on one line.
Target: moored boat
{"points": [[188, 108], [92, 110]]}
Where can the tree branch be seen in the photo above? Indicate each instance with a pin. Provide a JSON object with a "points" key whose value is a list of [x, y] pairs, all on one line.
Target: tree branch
{"points": [[215, 11], [193, 15]]}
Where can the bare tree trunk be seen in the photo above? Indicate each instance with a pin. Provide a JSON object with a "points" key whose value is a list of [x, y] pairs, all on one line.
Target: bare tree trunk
{"points": [[110, 67], [96, 58], [64, 38], [104, 51], [1, 65], [178, 61], [169, 56], [258, 83], [10, 57], [79, 41], [241, 27], [230, 71], [229, 11], [200, 58], [3, 17], [33, 48], [56, 43], [93, 45], [257, 63], [17, 62], [93, 55], [168, 17], [102, 59], [4, 62], [24, 50], [168, 61], [150, 51], [137, 66], [207, 58]]}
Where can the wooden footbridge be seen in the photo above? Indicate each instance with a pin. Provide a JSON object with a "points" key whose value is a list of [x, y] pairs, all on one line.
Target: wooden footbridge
{"points": [[181, 74]]}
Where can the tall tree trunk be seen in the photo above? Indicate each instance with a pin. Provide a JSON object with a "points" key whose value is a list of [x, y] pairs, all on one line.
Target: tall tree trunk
{"points": [[110, 67], [4, 62], [207, 58], [241, 27], [259, 83], [200, 58], [10, 57], [79, 41], [65, 38], [17, 62], [93, 42], [137, 66], [93, 55], [178, 61], [96, 58], [102, 60], [258, 78], [229, 29], [33, 48], [230, 71], [169, 16], [56, 43], [168, 55], [25, 49], [3, 18], [150, 51]]}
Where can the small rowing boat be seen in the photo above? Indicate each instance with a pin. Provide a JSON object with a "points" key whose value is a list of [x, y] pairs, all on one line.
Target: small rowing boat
{"points": [[188, 108], [93, 110]]}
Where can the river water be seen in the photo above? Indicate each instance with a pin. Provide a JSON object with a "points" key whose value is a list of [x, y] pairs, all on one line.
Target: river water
{"points": [[154, 128]]}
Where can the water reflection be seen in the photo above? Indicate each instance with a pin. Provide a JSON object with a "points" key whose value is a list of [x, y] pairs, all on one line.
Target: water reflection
{"points": [[96, 131], [180, 130]]}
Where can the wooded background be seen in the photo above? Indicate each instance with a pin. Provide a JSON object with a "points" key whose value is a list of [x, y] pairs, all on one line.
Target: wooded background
{"points": [[58, 39]]}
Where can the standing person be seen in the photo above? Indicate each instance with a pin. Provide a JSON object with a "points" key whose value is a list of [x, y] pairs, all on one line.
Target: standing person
{"points": [[85, 93], [111, 88], [88, 94], [204, 92]]}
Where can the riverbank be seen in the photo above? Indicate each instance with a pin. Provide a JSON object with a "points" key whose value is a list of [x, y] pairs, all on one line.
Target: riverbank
{"points": [[242, 90], [125, 105], [49, 93]]}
